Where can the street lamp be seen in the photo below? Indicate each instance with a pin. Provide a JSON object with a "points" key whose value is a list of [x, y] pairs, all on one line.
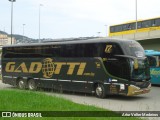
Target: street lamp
{"points": [[136, 14], [23, 31], [40, 21], [106, 30], [11, 16]]}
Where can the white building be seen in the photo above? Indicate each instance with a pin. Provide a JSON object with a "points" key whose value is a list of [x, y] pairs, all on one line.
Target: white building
{"points": [[6, 40]]}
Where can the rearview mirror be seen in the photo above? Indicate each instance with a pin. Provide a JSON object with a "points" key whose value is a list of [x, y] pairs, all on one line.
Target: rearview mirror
{"points": [[136, 64], [157, 61], [153, 61]]}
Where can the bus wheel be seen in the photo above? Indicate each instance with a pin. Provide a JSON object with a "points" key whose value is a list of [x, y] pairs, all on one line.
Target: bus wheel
{"points": [[21, 84], [100, 91], [32, 84]]}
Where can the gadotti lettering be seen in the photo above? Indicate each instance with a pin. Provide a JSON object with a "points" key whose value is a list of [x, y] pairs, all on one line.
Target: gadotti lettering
{"points": [[48, 67]]}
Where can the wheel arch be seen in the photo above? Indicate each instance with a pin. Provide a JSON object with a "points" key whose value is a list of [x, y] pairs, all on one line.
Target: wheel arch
{"points": [[99, 86]]}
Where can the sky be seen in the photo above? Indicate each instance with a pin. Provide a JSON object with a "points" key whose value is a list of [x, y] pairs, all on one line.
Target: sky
{"points": [[72, 18]]}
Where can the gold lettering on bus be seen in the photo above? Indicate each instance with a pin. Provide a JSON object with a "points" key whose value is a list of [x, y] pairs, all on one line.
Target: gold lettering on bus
{"points": [[48, 67], [108, 49], [71, 68], [81, 69], [22, 68], [35, 67], [58, 67], [10, 67]]}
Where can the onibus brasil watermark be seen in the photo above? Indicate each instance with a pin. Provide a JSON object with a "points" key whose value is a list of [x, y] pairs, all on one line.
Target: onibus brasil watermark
{"points": [[21, 114]]}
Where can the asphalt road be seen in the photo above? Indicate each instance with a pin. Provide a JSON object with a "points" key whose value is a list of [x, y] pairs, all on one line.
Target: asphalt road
{"points": [[145, 102]]}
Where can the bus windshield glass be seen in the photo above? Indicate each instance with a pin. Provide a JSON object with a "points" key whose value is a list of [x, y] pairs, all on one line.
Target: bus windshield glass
{"points": [[133, 48], [121, 61], [154, 56], [142, 72]]}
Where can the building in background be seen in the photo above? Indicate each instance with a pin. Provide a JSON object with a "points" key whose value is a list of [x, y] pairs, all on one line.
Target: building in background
{"points": [[147, 32], [5, 39]]}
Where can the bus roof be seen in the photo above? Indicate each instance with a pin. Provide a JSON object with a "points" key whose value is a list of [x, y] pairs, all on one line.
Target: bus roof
{"points": [[71, 41]]}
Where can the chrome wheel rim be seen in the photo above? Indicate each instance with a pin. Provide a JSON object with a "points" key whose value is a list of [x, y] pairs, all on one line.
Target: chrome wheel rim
{"points": [[31, 85], [21, 84], [99, 91]]}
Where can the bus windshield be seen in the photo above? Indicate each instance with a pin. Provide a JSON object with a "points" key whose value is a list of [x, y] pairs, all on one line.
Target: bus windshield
{"points": [[142, 72], [121, 61], [133, 48], [154, 56]]}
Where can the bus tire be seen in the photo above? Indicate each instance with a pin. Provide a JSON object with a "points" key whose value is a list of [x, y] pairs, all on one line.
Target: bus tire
{"points": [[21, 84], [32, 85], [100, 91]]}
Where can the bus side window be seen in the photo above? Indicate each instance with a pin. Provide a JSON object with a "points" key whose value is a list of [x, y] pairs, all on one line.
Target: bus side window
{"points": [[116, 66], [89, 50], [152, 61], [79, 50], [67, 50]]}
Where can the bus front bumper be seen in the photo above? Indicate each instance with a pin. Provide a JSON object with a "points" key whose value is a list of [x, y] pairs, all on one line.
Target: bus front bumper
{"points": [[133, 90]]}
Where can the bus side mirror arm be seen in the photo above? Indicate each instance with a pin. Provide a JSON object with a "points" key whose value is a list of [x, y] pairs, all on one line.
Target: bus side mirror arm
{"points": [[157, 61]]}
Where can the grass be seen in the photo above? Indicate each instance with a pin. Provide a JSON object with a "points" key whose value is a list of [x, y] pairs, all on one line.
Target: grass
{"points": [[19, 100]]}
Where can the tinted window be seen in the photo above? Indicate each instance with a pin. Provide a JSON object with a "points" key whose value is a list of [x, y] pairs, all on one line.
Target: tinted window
{"points": [[25, 52], [125, 27], [129, 26], [152, 61], [153, 23], [157, 22], [116, 66], [133, 26], [139, 25], [112, 29], [133, 49], [118, 28], [67, 50], [93, 50], [146, 24]]}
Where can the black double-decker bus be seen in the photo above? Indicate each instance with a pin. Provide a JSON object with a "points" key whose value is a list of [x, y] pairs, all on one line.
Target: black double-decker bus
{"points": [[99, 65]]}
